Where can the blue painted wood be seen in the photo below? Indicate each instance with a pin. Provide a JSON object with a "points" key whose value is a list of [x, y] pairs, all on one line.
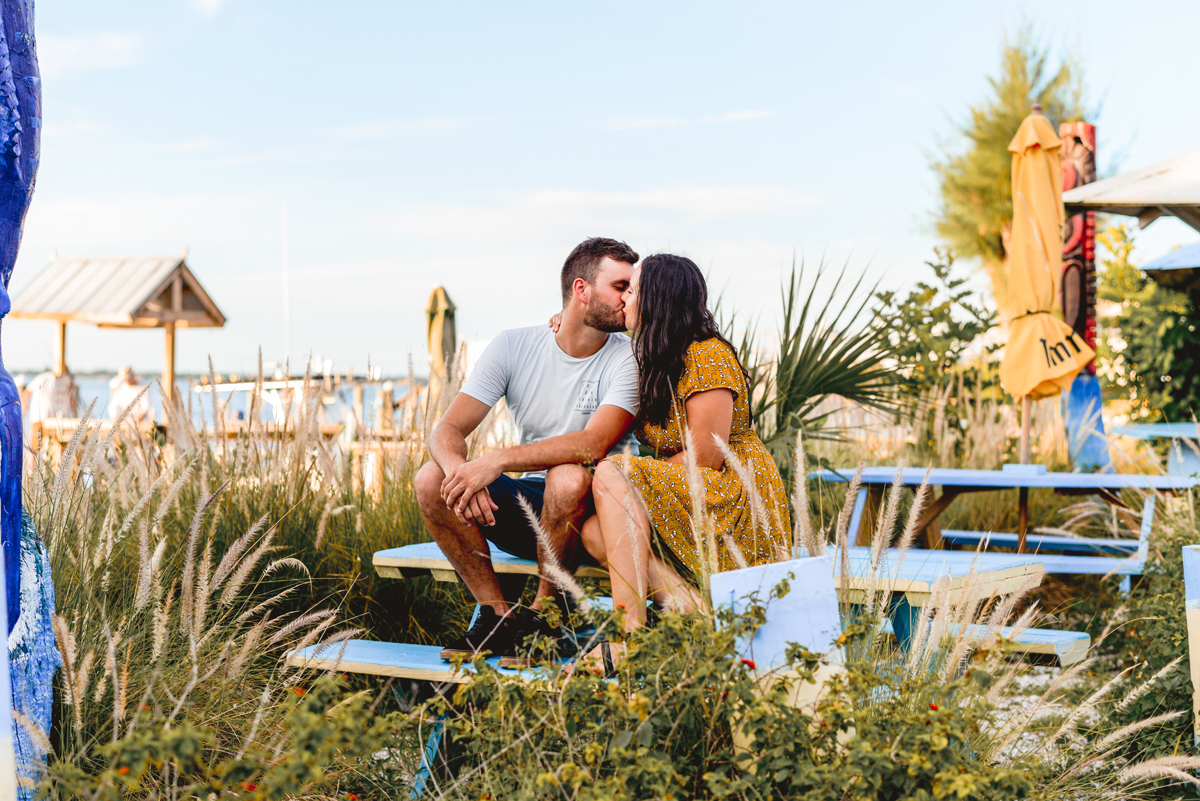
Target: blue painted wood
{"points": [[807, 615], [20, 151], [1182, 460], [1063, 642], [929, 566], [429, 757], [413, 661], [1037, 543], [999, 479], [1191, 576], [1157, 430], [917, 565]]}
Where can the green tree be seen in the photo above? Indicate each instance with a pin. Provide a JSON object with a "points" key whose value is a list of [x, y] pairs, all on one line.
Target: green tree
{"points": [[1149, 348], [974, 213], [932, 328]]}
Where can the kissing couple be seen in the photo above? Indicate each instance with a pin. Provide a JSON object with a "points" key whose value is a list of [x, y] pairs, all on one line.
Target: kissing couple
{"points": [[580, 390]]}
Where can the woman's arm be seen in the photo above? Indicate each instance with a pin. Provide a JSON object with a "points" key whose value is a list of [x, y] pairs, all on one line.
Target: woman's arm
{"points": [[708, 413]]}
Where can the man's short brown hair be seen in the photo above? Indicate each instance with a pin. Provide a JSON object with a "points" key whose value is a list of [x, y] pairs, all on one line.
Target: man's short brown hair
{"points": [[585, 260]]}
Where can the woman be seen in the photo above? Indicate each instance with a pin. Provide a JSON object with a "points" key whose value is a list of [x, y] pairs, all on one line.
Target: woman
{"points": [[690, 380]]}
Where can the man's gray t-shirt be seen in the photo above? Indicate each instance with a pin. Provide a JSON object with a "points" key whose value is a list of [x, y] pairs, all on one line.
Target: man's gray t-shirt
{"points": [[550, 393]]}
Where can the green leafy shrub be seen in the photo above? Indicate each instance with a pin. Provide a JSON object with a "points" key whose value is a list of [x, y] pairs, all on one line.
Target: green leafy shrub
{"points": [[321, 735], [664, 728]]}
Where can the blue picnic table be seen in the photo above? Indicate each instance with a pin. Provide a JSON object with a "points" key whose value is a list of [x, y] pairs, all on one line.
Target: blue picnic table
{"points": [[904, 583], [1183, 454], [1123, 557]]}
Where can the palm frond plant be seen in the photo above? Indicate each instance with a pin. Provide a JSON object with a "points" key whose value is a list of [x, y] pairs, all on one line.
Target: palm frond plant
{"points": [[831, 343]]}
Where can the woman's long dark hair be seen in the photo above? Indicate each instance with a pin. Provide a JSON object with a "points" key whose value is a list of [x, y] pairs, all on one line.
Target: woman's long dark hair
{"points": [[672, 314]]}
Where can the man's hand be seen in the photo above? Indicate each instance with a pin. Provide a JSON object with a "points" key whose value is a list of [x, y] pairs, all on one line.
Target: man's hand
{"points": [[479, 510], [465, 481]]}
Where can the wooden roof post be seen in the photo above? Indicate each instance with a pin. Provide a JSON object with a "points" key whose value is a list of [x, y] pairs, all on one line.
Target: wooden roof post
{"points": [[168, 376], [169, 334], [60, 362]]}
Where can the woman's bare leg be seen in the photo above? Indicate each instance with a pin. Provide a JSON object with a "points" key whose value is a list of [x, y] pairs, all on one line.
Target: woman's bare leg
{"points": [[635, 572]]}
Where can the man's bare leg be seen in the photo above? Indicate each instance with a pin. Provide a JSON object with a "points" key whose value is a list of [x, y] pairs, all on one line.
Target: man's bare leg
{"points": [[564, 506], [462, 543]]}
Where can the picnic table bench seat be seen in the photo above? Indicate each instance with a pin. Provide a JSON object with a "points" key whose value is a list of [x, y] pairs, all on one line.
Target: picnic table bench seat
{"points": [[1068, 647], [1037, 543], [393, 659], [426, 558]]}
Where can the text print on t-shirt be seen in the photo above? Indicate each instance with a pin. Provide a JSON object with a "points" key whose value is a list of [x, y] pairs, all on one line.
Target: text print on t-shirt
{"points": [[589, 397]]}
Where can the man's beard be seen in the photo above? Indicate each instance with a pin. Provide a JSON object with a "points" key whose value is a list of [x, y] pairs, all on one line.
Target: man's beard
{"points": [[603, 318]]}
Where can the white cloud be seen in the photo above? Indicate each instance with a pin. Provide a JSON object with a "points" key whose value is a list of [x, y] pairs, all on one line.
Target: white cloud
{"points": [[636, 123], [100, 50], [208, 7]]}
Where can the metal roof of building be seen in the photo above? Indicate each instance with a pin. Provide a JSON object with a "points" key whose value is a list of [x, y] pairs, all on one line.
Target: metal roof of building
{"points": [[1168, 188], [125, 292], [1179, 269]]}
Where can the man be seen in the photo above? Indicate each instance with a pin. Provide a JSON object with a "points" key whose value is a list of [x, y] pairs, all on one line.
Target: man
{"points": [[573, 395], [126, 392]]}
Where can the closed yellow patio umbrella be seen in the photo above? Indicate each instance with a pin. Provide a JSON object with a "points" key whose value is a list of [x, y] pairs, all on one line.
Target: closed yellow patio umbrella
{"points": [[442, 336], [1043, 353]]}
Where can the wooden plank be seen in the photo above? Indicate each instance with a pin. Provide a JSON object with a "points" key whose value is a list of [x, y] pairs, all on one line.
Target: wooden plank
{"points": [[1082, 545], [426, 556], [395, 660], [999, 479], [1191, 596], [807, 615], [1068, 647]]}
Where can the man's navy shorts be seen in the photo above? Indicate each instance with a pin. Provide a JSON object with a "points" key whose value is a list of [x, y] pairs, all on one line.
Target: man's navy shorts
{"points": [[513, 532]]}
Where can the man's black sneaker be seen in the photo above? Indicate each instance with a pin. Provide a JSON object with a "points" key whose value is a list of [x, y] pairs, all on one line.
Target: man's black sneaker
{"points": [[490, 632], [537, 643]]}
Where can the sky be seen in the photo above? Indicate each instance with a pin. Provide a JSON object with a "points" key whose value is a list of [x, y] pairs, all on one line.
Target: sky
{"points": [[473, 144]]}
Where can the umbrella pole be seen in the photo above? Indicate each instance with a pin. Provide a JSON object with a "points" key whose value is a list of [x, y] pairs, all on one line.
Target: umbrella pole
{"points": [[1023, 493]]}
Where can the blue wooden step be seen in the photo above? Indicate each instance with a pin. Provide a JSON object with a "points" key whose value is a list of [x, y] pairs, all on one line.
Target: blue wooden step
{"points": [[1068, 647], [1036, 543], [398, 660]]}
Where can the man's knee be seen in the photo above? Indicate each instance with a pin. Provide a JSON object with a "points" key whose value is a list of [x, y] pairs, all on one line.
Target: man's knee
{"points": [[608, 479], [428, 486], [568, 484]]}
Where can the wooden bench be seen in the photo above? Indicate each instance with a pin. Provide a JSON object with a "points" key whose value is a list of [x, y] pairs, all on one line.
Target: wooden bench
{"points": [[392, 659], [1074, 564], [1008, 573], [955, 482], [1068, 647], [1191, 605], [1038, 543]]}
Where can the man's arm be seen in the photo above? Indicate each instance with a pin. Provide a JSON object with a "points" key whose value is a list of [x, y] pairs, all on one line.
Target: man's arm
{"points": [[448, 447], [607, 425]]}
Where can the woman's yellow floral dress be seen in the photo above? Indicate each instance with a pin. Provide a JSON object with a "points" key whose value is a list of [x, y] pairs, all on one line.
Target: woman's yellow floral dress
{"points": [[710, 364]]}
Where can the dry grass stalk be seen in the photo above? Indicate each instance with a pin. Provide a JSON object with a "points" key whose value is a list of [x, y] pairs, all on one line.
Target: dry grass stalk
{"points": [[738, 558], [553, 564], [804, 539], [846, 514], [1145, 687], [702, 529]]}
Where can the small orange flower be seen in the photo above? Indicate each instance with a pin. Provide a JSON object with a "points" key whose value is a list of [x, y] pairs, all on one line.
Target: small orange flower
{"points": [[750, 664], [249, 787], [934, 707], [299, 690], [123, 769], [351, 797]]}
